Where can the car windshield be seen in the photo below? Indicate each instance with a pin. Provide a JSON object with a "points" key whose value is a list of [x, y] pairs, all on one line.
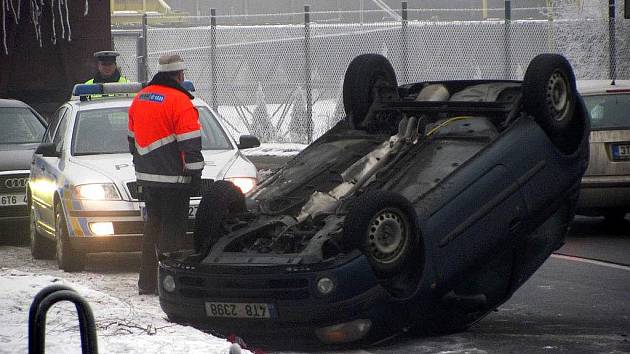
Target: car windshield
{"points": [[104, 131], [19, 126], [609, 111]]}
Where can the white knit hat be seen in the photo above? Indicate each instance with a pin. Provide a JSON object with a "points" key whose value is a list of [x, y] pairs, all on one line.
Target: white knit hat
{"points": [[171, 62]]}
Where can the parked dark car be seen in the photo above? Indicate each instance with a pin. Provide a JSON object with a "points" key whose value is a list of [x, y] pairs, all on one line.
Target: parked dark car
{"points": [[21, 130], [425, 209]]}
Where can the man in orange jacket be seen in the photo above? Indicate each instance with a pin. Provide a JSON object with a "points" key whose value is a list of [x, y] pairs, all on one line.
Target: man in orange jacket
{"points": [[165, 140]]}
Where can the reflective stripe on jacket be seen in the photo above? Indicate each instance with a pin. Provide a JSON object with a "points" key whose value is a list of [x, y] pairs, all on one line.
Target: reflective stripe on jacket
{"points": [[164, 137]]}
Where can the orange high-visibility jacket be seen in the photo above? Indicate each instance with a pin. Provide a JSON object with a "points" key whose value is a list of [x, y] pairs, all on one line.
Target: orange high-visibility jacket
{"points": [[165, 137]]}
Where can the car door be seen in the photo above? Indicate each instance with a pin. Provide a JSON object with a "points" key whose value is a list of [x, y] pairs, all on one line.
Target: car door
{"points": [[46, 172]]}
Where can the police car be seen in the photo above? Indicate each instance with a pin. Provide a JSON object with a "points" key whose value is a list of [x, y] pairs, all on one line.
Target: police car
{"points": [[83, 195]]}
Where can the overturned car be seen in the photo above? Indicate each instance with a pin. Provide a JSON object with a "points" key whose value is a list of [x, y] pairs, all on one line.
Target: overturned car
{"points": [[424, 209]]}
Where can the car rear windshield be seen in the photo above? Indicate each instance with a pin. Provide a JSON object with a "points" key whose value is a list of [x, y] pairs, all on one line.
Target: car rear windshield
{"points": [[19, 126], [104, 131], [610, 111]]}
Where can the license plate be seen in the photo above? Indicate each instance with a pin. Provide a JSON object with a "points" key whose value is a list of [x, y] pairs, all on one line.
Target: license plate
{"points": [[12, 199], [240, 310], [621, 151], [192, 211]]}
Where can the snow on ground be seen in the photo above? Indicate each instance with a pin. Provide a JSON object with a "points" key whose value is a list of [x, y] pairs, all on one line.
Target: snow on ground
{"points": [[125, 321]]}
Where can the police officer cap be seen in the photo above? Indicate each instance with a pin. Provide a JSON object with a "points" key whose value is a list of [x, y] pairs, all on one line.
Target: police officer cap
{"points": [[106, 55]]}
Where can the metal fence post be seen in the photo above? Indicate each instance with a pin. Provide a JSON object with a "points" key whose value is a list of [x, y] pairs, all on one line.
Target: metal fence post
{"points": [[141, 72], [145, 50], [307, 72], [213, 59], [508, 40], [612, 54], [404, 38]]}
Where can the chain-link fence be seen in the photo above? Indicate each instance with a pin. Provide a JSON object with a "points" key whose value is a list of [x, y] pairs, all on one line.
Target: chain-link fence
{"points": [[282, 81]]}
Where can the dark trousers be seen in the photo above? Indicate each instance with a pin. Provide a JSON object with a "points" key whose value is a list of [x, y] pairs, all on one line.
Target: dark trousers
{"points": [[164, 229]]}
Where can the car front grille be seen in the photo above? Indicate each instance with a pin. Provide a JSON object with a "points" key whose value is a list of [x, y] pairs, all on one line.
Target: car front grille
{"points": [[205, 184], [13, 183], [279, 289]]}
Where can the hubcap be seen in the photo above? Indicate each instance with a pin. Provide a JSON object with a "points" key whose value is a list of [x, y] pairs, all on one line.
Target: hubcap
{"points": [[387, 235], [557, 94]]}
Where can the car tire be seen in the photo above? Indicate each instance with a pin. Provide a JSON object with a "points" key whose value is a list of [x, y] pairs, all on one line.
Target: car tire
{"points": [[220, 200], [68, 259], [369, 77], [549, 94], [383, 226], [41, 248]]}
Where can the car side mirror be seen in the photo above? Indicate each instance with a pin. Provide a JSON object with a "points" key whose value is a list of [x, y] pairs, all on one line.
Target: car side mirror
{"points": [[48, 150], [248, 141]]}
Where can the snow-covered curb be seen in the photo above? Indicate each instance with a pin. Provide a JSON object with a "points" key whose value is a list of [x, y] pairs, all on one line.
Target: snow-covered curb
{"points": [[120, 326]]}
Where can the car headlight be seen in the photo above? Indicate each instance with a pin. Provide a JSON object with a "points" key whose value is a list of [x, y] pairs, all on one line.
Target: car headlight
{"points": [[168, 283], [246, 184], [325, 286], [100, 191]]}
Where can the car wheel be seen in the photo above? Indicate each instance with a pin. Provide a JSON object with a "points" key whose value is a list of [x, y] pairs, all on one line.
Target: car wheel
{"points": [[550, 95], [68, 258], [383, 226], [220, 200], [369, 78], [41, 248]]}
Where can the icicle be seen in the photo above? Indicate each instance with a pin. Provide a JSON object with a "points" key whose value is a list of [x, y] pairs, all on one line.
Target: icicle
{"points": [[52, 14], [65, 2], [15, 17], [63, 25], [4, 30], [87, 6]]}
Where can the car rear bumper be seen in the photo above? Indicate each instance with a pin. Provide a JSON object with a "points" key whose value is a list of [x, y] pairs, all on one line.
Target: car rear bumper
{"points": [[604, 192]]}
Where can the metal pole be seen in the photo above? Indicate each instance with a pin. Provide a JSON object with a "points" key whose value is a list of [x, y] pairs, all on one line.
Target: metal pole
{"points": [[508, 39], [145, 49], [404, 40], [307, 72], [611, 41], [141, 69], [213, 58]]}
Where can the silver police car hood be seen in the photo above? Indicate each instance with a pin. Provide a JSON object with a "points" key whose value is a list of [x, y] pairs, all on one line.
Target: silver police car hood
{"points": [[119, 167]]}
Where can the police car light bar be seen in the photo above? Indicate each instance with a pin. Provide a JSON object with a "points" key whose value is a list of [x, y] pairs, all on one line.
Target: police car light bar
{"points": [[106, 88], [111, 88], [188, 85]]}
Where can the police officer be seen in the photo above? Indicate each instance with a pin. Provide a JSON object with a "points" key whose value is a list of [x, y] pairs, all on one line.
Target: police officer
{"points": [[165, 140], [107, 68]]}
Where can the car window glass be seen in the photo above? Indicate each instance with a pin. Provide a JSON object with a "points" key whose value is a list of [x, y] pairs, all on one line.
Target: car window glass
{"points": [[101, 131], [213, 137], [61, 130], [52, 126], [19, 126], [608, 111]]}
